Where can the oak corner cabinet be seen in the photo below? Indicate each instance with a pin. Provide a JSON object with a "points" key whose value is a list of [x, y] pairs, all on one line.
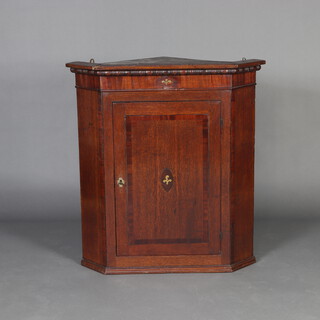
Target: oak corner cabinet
{"points": [[166, 164]]}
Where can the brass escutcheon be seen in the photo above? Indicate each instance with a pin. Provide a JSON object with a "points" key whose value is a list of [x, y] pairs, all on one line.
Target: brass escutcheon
{"points": [[121, 182]]}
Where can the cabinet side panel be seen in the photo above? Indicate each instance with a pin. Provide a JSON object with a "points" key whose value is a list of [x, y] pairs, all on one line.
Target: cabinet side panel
{"points": [[242, 173], [91, 177]]}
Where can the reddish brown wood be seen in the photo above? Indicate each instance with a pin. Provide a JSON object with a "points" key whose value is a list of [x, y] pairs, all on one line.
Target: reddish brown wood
{"points": [[91, 176], [242, 172], [183, 147], [164, 82], [155, 221], [169, 269], [195, 96]]}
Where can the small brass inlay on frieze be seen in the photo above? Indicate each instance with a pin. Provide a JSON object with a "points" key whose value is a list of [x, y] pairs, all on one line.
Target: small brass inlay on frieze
{"points": [[166, 82]]}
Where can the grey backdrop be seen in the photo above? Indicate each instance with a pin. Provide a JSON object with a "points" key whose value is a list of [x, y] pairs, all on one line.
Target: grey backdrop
{"points": [[39, 174]]}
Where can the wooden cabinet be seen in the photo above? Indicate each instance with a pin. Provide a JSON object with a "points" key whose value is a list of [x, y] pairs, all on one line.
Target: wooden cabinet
{"points": [[166, 164]]}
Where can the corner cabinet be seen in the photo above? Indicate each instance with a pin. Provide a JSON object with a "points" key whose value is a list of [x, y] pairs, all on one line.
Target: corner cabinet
{"points": [[166, 164]]}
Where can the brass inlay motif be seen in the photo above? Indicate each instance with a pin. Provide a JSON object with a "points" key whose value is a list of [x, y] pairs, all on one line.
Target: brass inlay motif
{"points": [[167, 180], [166, 82]]}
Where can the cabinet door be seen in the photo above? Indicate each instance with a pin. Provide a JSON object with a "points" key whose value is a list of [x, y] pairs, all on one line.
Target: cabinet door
{"points": [[167, 169]]}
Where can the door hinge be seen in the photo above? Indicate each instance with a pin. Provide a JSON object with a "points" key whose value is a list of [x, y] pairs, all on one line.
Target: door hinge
{"points": [[220, 235], [221, 122]]}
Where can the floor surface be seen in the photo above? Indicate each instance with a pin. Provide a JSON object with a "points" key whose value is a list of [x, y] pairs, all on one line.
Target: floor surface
{"points": [[41, 278]]}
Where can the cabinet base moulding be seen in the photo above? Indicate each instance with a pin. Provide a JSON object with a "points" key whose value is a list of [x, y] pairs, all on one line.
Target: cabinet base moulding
{"points": [[178, 269]]}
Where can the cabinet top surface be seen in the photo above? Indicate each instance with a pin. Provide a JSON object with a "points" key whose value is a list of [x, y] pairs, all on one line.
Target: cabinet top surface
{"points": [[163, 63]]}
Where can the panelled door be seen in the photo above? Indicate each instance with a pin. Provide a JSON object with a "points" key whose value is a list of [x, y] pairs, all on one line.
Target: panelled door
{"points": [[167, 171]]}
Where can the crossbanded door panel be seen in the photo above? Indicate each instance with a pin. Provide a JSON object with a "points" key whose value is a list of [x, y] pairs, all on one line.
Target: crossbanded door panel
{"points": [[168, 155]]}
